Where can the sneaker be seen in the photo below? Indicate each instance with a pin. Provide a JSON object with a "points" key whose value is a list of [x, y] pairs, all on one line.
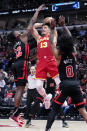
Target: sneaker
{"points": [[47, 101], [18, 120], [65, 125], [28, 123]]}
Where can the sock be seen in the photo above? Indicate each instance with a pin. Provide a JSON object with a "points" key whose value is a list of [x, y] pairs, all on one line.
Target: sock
{"points": [[16, 111], [29, 118]]}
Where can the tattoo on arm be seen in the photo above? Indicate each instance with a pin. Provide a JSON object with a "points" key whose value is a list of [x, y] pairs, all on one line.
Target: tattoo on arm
{"points": [[34, 18]]}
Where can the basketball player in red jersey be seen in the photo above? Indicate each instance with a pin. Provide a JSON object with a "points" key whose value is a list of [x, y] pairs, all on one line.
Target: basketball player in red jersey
{"points": [[20, 67], [46, 62]]}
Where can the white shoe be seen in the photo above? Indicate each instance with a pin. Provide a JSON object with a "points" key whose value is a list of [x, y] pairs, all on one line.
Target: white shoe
{"points": [[47, 101]]}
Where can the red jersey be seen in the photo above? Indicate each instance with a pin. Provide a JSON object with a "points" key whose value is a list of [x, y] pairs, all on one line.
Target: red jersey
{"points": [[46, 61], [44, 48]]}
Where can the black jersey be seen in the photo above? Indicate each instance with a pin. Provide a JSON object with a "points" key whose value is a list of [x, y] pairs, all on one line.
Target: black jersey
{"points": [[67, 68], [21, 50]]}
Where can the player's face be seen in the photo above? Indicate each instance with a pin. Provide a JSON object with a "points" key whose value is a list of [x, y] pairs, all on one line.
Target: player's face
{"points": [[45, 30], [32, 70]]}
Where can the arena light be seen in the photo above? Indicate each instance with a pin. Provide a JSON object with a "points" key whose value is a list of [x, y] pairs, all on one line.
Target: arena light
{"points": [[31, 10], [65, 6], [4, 13], [20, 11], [15, 11], [85, 4]]}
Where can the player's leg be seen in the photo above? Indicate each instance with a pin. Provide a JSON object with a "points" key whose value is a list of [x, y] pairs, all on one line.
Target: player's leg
{"points": [[17, 100], [58, 101], [50, 120], [62, 116], [40, 77], [51, 117], [39, 87], [42, 92], [53, 71], [83, 112], [20, 69], [57, 81], [32, 110], [15, 116], [37, 100], [41, 74], [79, 102]]}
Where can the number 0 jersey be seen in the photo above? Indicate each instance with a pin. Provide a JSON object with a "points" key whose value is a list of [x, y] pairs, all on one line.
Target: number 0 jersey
{"points": [[67, 68], [44, 48], [21, 50]]}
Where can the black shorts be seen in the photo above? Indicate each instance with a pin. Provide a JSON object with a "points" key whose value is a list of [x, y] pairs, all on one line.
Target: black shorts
{"points": [[72, 89], [20, 70]]}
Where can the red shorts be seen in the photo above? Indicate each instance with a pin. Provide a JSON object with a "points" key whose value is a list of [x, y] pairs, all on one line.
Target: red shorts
{"points": [[45, 66]]}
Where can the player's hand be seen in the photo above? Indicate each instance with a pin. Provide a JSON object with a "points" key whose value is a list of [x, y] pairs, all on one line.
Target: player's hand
{"points": [[40, 7], [61, 20], [51, 21]]}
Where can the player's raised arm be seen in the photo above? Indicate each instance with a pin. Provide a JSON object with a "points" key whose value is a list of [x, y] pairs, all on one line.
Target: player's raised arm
{"points": [[35, 32], [53, 41], [61, 22], [53, 36], [33, 20]]}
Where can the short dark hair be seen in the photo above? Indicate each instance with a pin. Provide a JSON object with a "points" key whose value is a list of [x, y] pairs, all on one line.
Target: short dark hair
{"points": [[65, 44]]}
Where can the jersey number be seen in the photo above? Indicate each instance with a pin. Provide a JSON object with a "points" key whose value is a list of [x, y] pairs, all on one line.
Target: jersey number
{"points": [[69, 71], [43, 45], [18, 52]]}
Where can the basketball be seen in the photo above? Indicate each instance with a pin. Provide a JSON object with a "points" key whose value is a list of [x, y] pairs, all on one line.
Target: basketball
{"points": [[51, 21], [48, 19]]}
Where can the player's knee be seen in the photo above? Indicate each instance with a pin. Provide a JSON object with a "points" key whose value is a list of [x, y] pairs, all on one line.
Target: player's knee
{"points": [[39, 84], [41, 91], [39, 87], [57, 81]]}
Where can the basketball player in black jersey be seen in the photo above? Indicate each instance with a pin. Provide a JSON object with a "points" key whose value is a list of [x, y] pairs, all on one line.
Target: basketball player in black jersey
{"points": [[69, 85], [20, 67]]}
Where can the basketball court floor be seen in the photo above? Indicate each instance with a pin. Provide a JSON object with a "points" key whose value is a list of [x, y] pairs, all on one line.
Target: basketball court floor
{"points": [[39, 125]]}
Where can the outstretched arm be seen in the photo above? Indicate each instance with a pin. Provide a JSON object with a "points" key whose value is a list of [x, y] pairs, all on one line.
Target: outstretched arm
{"points": [[30, 26], [35, 32], [53, 36], [33, 20], [62, 23]]}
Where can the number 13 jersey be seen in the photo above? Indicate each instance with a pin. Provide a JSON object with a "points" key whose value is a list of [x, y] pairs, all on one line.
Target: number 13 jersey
{"points": [[46, 62], [44, 48]]}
